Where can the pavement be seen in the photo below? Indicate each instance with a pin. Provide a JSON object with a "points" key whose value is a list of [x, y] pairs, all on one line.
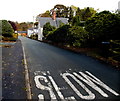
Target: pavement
{"points": [[57, 74], [13, 73]]}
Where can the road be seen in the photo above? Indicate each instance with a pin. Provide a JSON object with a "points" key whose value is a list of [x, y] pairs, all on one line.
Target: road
{"points": [[60, 74]]}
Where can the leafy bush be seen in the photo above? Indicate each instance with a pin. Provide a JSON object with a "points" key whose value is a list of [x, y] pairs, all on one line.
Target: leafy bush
{"points": [[76, 21], [77, 35], [7, 30], [13, 38], [104, 26], [115, 49], [15, 35], [46, 28], [14, 26], [35, 37], [74, 36], [59, 35]]}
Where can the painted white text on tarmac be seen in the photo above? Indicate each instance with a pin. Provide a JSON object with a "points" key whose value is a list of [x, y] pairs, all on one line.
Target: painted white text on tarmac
{"points": [[83, 79]]}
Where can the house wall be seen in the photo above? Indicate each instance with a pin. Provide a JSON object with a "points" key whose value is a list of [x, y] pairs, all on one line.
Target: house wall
{"points": [[35, 31], [40, 34], [29, 32], [43, 20]]}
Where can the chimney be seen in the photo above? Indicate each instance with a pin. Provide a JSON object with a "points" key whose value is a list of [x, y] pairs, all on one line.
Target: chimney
{"points": [[54, 15]]}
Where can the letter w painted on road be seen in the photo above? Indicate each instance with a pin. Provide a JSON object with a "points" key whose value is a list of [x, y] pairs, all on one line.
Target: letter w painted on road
{"points": [[88, 80]]}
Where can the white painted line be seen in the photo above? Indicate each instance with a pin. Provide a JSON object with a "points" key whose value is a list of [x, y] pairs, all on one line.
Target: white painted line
{"points": [[96, 80], [56, 88], [89, 96], [29, 95]]}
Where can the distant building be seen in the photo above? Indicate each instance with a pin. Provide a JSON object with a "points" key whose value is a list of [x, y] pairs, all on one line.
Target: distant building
{"points": [[52, 20], [32, 31], [119, 7], [29, 32], [22, 33]]}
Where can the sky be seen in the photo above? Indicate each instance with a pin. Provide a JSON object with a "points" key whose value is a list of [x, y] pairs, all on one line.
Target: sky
{"points": [[26, 10]]}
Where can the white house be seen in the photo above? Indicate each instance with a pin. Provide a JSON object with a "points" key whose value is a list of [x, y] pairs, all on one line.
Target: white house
{"points": [[119, 7], [32, 31], [54, 21], [29, 32]]}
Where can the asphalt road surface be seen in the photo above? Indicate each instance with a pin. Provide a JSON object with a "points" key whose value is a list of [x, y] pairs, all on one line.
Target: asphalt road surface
{"points": [[60, 74], [13, 73]]}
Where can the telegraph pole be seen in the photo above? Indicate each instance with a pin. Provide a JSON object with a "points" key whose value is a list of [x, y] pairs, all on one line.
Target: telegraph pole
{"points": [[33, 25]]}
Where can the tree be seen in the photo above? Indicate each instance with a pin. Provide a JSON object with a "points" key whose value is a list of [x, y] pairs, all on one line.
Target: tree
{"points": [[74, 8], [23, 26], [70, 14], [77, 35], [76, 21], [86, 14], [13, 24], [60, 35], [47, 28], [46, 14], [7, 30], [78, 12], [104, 26], [61, 10]]}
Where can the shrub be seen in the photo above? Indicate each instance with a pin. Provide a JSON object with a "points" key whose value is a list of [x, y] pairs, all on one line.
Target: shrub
{"points": [[60, 35], [15, 35], [13, 38], [104, 26], [46, 28], [77, 35], [35, 37], [115, 49], [7, 30]]}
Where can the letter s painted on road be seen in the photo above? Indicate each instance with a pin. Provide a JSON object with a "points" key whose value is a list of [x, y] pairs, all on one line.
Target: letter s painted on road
{"points": [[43, 87]]}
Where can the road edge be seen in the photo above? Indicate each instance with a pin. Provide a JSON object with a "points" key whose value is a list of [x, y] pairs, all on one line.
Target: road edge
{"points": [[27, 80]]}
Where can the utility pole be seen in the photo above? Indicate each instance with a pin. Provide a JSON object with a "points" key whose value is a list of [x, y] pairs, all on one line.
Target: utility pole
{"points": [[33, 25], [33, 21]]}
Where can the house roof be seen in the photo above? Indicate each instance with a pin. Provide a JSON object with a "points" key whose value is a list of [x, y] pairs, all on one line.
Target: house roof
{"points": [[33, 28], [56, 23], [21, 31]]}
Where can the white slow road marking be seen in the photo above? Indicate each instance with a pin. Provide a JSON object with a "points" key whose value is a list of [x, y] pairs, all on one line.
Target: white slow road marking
{"points": [[90, 83], [87, 97], [58, 91], [43, 87], [72, 98], [80, 77], [41, 97], [56, 88], [101, 83]]}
